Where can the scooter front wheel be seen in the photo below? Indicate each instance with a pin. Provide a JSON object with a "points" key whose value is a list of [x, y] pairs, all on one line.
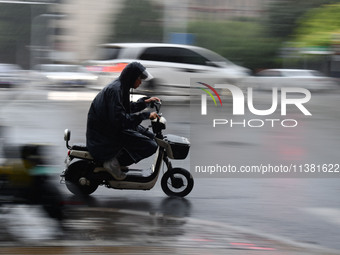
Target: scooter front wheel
{"points": [[177, 182]]}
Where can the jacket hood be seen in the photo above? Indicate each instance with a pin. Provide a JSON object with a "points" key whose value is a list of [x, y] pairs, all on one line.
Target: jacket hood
{"points": [[130, 74], [127, 80]]}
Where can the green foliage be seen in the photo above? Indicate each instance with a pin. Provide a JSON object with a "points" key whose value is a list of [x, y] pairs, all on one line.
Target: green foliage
{"points": [[243, 42], [257, 44], [318, 27], [138, 21], [282, 15]]}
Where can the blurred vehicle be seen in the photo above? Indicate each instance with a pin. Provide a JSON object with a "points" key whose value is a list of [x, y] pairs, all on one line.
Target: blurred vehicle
{"points": [[11, 75], [63, 75], [171, 65], [302, 78], [25, 178]]}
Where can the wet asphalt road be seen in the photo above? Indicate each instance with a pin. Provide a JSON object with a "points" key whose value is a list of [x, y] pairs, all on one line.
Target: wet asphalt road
{"points": [[305, 210]]}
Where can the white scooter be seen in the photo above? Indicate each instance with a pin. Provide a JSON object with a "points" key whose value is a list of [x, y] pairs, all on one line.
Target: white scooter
{"points": [[83, 174]]}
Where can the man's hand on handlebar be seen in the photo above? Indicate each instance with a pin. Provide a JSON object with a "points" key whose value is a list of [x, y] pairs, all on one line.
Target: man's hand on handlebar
{"points": [[152, 99], [153, 116]]}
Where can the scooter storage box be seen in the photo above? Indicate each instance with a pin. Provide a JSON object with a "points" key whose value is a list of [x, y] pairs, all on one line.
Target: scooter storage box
{"points": [[178, 146]]}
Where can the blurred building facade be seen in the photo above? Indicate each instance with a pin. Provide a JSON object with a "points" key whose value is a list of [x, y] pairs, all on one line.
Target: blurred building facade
{"points": [[84, 23], [82, 27]]}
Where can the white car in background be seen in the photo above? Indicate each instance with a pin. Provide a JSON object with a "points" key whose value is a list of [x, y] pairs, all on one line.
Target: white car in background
{"points": [[63, 75], [301, 78], [171, 65], [11, 76]]}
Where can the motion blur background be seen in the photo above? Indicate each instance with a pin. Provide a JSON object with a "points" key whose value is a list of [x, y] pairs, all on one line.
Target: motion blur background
{"points": [[37, 37]]}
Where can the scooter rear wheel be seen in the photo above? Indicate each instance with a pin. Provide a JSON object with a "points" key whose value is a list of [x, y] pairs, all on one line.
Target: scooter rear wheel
{"points": [[177, 182], [75, 174]]}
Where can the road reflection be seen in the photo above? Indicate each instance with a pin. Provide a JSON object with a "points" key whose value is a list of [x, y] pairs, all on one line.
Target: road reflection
{"points": [[167, 206], [129, 221]]}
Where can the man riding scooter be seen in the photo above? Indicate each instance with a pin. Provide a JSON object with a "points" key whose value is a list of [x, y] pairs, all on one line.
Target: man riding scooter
{"points": [[114, 135]]}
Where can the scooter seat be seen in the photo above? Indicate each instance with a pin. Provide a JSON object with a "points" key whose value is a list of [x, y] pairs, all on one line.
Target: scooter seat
{"points": [[79, 147]]}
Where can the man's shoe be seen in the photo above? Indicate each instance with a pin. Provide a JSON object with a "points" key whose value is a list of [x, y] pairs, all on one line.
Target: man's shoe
{"points": [[113, 168]]}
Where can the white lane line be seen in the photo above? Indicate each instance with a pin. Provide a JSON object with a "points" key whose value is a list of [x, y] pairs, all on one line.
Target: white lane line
{"points": [[71, 96], [331, 215]]}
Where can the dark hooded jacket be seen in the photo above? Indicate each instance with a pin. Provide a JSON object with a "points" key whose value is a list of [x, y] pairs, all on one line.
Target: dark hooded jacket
{"points": [[111, 112]]}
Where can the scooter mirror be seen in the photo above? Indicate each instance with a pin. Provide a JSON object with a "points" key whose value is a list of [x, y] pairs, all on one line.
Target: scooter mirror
{"points": [[67, 135]]}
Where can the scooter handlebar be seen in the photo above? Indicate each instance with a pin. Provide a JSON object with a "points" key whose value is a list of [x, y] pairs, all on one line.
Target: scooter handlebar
{"points": [[156, 105]]}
